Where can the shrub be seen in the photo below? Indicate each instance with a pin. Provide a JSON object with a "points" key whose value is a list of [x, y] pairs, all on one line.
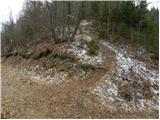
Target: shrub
{"points": [[147, 94], [125, 92], [88, 68], [102, 32], [93, 46], [71, 71], [47, 64]]}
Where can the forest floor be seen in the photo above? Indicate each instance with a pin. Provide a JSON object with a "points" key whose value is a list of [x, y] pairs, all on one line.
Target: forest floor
{"points": [[23, 97], [113, 89]]}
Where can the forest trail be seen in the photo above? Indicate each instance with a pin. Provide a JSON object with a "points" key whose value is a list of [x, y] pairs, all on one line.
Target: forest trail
{"points": [[67, 59], [23, 97]]}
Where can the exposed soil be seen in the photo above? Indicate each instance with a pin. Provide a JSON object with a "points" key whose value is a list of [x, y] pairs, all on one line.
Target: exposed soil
{"points": [[23, 97]]}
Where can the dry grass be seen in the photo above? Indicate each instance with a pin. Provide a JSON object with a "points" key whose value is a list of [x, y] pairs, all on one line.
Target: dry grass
{"points": [[25, 98], [125, 92]]}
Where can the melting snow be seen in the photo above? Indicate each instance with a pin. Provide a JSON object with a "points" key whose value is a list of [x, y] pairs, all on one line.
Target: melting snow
{"points": [[81, 53], [33, 74], [84, 23], [124, 65]]}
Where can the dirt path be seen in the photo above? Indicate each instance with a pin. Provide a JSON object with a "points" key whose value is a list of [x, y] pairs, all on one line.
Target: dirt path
{"points": [[26, 98], [23, 98]]}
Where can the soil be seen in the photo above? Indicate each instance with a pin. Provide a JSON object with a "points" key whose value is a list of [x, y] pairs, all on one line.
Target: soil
{"points": [[23, 97]]}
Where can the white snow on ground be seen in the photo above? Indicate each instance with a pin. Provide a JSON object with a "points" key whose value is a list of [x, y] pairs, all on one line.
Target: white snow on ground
{"points": [[80, 52], [84, 23], [125, 64], [77, 49], [109, 91], [58, 77]]}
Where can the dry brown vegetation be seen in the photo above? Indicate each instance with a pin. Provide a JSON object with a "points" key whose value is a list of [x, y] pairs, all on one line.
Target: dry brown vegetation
{"points": [[23, 97]]}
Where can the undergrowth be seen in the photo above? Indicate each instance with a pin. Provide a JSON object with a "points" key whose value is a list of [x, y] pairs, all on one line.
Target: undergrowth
{"points": [[93, 46], [88, 68]]}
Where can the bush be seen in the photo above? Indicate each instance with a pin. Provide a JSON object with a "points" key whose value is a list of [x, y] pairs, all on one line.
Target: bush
{"points": [[125, 92], [123, 30], [102, 33], [87, 68], [48, 64], [93, 46]]}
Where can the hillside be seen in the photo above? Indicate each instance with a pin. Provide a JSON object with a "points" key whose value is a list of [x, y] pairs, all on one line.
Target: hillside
{"points": [[89, 77], [81, 59]]}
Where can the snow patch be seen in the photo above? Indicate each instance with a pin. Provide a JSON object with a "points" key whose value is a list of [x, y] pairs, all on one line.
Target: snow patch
{"points": [[38, 76], [85, 22], [80, 51], [125, 66], [126, 63]]}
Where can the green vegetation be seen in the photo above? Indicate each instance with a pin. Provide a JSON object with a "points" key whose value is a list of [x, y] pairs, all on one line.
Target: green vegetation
{"points": [[129, 20], [102, 32], [87, 68], [48, 64], [93, 46]]}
